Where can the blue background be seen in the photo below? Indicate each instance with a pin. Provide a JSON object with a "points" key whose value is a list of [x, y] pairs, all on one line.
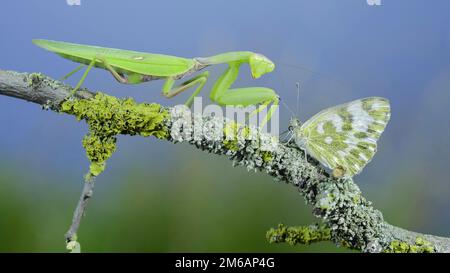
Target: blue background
{"points": [[156, 196]]}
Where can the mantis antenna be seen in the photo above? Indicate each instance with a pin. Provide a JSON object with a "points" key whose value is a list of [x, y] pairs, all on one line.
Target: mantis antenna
{"points": [[288, 132], [317, 73], [287, 107]]}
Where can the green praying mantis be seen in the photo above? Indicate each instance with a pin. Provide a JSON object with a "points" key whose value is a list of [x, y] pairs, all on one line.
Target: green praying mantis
{"points": [[133, 67]]}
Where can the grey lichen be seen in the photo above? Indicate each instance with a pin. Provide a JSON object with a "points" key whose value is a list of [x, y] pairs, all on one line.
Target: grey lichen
{"points": [[34, 80], [37, 80]]}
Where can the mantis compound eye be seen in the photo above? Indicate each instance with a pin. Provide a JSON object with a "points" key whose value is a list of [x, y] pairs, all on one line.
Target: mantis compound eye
{"points": [[291, 128]]}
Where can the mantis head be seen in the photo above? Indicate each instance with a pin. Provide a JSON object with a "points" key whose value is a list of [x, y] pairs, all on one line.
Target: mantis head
{"points": [[260, 65]]}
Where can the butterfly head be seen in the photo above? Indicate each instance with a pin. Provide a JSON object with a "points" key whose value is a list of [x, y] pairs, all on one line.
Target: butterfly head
{"points": [[294, 123], [299, 137]]}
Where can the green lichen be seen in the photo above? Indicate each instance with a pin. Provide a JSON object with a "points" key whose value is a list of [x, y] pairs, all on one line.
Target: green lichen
{"points": [[231, 145], [420, 246], [346, 244], [73, 246], [232, 131], [108, 117], [299, 235], [266, 156], [34, 80], [98, 150]]}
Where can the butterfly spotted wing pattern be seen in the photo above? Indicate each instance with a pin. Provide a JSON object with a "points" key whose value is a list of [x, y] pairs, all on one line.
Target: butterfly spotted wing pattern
{"points": [[344, 137]]}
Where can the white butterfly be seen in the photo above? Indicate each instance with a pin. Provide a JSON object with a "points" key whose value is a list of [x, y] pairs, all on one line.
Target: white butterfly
{"points": [[344, 138]]}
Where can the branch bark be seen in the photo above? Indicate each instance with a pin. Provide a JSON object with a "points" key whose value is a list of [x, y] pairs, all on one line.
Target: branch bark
{"points": [[352, 220], [80, 210]]}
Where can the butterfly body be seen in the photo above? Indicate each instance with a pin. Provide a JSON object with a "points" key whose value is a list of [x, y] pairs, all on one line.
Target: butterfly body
{"points": [[344, 137]]}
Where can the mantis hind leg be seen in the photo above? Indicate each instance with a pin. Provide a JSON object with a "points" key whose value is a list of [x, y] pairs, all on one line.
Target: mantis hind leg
{"points": [[170, 92], [116, 75], [91, 64], [72, 72], [223, 95]]}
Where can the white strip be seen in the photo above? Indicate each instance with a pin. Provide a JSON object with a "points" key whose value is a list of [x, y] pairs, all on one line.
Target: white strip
{"points": [[320, 128], [362, 119], [337, 122], [363, 157]]}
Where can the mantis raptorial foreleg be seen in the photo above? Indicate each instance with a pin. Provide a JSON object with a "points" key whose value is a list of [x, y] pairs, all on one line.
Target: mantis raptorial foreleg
{"points": [[272, 109], [223, 95]]}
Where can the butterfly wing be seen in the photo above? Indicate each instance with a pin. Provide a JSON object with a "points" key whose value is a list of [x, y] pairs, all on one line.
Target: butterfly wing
{"points": [[345, 136]]}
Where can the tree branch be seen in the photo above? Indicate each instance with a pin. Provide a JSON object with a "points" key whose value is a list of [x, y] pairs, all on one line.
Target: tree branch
{"points": [[80, 210], [350, 218], [299, 235]]}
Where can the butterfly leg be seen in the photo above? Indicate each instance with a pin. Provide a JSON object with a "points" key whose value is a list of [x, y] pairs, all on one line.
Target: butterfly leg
{"points": [[289, 137]]}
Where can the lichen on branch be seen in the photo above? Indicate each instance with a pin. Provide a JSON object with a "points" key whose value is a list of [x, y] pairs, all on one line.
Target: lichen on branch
{"points": [[299, 234], [419, 246], [107, 117], [351, 220]]}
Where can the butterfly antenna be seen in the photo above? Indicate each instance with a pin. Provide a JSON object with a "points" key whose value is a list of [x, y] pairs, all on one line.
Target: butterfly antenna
{"points": [[298, 98]]}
